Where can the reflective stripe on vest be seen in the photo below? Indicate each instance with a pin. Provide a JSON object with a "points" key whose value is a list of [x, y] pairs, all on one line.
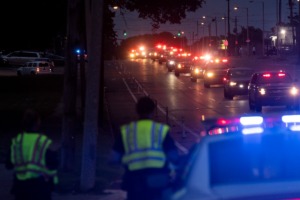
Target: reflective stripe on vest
{"points": [[28, 154], [143, 143]]}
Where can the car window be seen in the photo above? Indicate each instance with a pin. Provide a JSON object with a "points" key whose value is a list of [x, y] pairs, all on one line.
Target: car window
{"points": [[30, 65], [241, 73], [34, 65], [44, 65], [28, 54], [261, 159], [14, 54]]}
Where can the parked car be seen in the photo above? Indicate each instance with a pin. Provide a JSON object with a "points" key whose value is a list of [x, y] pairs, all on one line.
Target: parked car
{"points": [[57, 59], [273, 88], [18, 58], [257, 161], [35, 68], [51, 62], [236, 81]]}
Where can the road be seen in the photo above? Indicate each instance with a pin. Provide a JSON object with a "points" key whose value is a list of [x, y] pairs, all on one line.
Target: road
{"points": [[182, 103]]}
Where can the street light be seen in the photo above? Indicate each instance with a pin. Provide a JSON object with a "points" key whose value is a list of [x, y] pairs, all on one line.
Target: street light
{"points": [[248, 40], [263, 26]]}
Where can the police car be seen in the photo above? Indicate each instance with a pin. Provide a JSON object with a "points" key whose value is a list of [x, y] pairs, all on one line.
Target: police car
{"points": [[250, 157]]}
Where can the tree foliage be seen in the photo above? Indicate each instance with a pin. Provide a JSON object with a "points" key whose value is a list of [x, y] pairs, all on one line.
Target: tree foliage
{"points": [[160, 11]]}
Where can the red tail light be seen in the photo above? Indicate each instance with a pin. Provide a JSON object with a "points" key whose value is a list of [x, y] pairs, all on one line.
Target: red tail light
{"points": [[281, 74], [267, 75]]}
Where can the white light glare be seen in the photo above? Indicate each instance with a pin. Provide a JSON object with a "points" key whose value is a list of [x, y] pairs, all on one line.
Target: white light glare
{"points": [[251, 120], [294, 91], [295, 128], [290, 118], [255, 130]]}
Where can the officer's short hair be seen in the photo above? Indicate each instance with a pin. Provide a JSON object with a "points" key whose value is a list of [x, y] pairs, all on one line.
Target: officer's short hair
{"points": [[145, 105]]}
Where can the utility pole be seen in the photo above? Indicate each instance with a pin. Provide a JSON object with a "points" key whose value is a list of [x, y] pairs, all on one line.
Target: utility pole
{"points": [[69, 120], [263, 28], [94, 20], [228, 25]]}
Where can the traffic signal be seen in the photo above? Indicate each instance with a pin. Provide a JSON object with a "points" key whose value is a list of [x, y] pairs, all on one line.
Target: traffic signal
{"points": [[179, 34], [124, 33]]}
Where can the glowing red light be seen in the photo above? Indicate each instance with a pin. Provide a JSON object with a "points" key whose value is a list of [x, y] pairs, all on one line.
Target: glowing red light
{"points": [[281, 74], [267, 75], [223, 122]]}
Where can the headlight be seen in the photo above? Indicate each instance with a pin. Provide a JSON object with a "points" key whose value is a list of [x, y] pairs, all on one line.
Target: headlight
{"points": [[262, 91], [210, 74], [294, 91], [171, 62], [231, 83], [197, 70], [179, 66]]}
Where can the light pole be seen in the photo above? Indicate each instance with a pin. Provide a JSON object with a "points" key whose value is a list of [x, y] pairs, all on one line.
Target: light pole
{"points": [[263, 26], [247, 18], [213, 19], [228, 26]]}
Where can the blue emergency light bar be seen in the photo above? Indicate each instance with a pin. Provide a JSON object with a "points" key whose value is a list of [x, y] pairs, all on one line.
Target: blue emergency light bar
{"points": [[290, 118], [254, 124]]}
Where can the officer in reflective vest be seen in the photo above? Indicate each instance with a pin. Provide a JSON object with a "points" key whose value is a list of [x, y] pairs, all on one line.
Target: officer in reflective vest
{"points": [[147, 151], [34, 163]]}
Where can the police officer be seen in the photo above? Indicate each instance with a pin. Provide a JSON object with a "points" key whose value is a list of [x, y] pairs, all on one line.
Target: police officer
{"points": [[147, 151], [34, 163]]}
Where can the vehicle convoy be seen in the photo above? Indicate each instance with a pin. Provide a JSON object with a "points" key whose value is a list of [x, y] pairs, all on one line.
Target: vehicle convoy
{"points": [[273, 88], [258, 159], [183, 67], [236, 81], [214, 76], [172, 62], [197, 69]]}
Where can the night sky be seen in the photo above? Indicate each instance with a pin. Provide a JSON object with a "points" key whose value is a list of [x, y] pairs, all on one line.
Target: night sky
{"points": [[31, 24], [218, 8]]}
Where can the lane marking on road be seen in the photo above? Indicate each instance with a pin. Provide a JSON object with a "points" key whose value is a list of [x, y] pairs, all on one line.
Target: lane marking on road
{"points": [[129, 90]]}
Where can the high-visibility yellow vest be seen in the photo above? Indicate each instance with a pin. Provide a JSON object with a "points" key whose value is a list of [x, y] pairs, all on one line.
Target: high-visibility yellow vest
{"points": [[28, 154], [143, 143]]}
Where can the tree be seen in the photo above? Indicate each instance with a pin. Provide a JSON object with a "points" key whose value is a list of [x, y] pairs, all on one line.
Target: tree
{"points": [[158, 11]]}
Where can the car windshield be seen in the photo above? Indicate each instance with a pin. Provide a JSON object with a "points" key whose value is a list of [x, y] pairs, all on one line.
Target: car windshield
{"points": [[241, 73], [274, 78], [255, 159]]}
